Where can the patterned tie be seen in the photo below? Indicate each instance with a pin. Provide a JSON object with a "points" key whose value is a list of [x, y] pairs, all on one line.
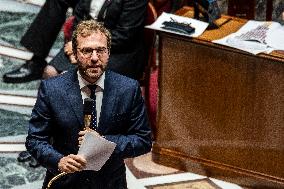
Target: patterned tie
{"points": [[94, 112]]}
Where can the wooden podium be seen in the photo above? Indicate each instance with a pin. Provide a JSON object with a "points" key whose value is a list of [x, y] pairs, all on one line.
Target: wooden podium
{"points": [[220, 110]]}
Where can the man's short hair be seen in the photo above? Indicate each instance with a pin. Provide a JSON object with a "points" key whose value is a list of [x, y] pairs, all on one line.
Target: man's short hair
{"points": [[86, 28]]}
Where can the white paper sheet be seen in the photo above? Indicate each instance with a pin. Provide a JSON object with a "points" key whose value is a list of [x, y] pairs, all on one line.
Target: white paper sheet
{"points": [[275, 38], [96, 150], [249, 38], [199, 26]]}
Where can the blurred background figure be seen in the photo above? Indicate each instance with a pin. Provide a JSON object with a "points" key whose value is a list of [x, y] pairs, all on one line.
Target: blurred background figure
{"points": [[125, 20]]}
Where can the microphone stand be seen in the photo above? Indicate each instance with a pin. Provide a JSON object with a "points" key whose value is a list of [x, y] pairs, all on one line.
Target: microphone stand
{"points": [[55, 178], [87, 110]]}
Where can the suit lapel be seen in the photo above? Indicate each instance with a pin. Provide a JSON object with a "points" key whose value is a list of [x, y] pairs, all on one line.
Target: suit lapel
{"points": [[108, 102], [74, 97], [103, 11]]}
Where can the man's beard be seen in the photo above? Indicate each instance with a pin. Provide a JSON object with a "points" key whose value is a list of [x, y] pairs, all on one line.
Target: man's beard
{"points": [[91, 72]]}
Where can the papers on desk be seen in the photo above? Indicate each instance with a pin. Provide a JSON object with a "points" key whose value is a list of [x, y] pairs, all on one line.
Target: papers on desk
{"points": [[198, 25], [256, 37], [96, 150], [275, 38]]}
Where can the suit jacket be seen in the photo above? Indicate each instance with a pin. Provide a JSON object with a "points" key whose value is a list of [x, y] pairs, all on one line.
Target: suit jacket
{"points": [[57, 118], [125, 21]]}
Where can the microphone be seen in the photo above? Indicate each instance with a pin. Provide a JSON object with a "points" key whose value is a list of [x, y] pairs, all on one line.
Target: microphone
{"points": [[87, 110]]}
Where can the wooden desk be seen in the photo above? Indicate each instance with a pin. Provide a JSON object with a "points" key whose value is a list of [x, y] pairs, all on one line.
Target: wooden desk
{"points": [[220, 110]]}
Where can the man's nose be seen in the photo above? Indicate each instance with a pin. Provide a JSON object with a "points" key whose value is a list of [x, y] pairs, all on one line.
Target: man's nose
{"points": [[95, 55]]}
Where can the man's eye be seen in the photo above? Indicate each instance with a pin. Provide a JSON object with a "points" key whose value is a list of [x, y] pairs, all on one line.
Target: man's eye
{"points": [[100, 50], [87, 50]]}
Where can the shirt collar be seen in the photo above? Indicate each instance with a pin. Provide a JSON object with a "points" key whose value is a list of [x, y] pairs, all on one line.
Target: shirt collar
{"points": [[83, 83]]}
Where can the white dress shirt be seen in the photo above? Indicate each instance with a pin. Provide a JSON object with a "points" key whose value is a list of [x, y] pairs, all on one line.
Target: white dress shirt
{"points": [[86, 92], [95, 8]]}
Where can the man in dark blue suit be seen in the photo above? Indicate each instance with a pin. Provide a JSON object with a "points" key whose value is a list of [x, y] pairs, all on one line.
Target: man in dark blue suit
{"points": [[56, 125]]}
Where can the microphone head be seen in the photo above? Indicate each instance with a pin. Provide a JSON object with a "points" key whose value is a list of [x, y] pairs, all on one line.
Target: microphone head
{"points": [[88, 106]]}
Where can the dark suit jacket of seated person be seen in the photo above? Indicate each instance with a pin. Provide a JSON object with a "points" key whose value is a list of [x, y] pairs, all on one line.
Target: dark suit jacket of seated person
{"points": [[125, 20], [57, 117]]}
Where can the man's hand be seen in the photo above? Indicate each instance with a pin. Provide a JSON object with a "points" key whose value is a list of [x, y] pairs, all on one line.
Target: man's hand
{"points": [[72, 163], [69, 52]]}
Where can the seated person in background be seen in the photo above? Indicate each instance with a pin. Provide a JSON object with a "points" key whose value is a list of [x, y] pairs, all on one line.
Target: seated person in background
{"points": [[124, 19], [58, 116], [126, 24]]}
